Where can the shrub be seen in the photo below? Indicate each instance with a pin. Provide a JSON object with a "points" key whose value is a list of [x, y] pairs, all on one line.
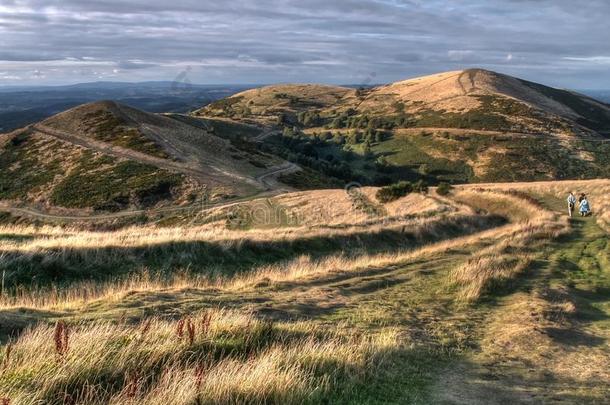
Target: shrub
{"points": [[420, 186], [444, 188], [394, 191]]}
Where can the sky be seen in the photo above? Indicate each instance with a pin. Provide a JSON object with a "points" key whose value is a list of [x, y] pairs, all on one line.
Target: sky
{"points": [[562, 43]]}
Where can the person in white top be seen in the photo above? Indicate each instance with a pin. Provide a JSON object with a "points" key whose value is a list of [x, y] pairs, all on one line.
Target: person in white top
{"points": [[571, 203], [585, 208]]}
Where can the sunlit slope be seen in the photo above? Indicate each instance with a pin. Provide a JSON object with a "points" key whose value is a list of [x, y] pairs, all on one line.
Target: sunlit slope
{"points": [[464, 126]]}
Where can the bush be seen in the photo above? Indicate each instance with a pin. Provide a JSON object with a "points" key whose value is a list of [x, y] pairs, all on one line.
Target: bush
{"points": [[420, 186], [444, 188], [394, 191]]}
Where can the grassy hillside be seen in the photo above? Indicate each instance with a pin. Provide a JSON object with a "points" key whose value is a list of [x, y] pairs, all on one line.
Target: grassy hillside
{"points": [[105, 156], [489, 290], [47, 171], [465, 126]]}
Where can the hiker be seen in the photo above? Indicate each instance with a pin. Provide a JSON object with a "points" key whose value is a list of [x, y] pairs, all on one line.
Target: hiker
{"points": [[584, 207], [571, 203]]}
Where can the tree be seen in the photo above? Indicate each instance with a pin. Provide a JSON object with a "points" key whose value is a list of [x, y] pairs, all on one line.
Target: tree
{"points": [[444, 188], [394, 191], [288, 132]]}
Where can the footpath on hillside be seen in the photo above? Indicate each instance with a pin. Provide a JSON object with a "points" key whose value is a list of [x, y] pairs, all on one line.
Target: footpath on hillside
{"points": [[549, 340]]}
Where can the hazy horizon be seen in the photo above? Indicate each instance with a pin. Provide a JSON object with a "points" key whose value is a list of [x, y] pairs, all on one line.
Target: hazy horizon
{"points": [[236, 84]]}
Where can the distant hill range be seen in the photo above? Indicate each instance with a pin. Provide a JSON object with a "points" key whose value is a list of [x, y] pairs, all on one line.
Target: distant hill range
{"points": [[464, 126], [23, 105]]}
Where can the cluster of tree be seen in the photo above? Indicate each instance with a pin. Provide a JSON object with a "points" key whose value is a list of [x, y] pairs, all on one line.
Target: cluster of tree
{"points": [[345, 120], [303, 150], [353, 137], [310, 119], [398, 190], [312, 151], [444, 188]]}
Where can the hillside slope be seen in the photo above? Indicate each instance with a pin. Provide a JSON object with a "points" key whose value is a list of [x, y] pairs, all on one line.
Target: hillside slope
{"points": [[486, 295], [108, 156], [466, 126]]}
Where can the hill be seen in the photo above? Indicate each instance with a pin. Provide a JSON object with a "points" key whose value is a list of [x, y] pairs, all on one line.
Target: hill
{"points": [[108, 156], [464, 126], [318, 297], [25, 105]]}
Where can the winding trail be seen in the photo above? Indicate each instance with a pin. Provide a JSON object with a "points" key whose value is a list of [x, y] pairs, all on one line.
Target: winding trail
{"points": [[39, 214], [117, 151], [266, 180]]}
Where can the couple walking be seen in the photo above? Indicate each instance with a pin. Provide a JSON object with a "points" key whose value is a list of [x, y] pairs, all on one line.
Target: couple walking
{"points": [[583, 204]]}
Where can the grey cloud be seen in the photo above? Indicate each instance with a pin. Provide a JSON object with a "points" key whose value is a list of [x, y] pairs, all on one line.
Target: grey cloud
{"points": [[24, 57], [129, 65], [309, 40]]}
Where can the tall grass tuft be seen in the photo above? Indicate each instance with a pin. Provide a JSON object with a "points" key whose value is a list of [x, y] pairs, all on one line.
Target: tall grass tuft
{"points": [[60, 337], [190, 328], [243, 360]]}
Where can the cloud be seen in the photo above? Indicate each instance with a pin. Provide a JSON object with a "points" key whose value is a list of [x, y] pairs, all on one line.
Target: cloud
{"points": [[591, 59], [131, 65], [264, 41]]}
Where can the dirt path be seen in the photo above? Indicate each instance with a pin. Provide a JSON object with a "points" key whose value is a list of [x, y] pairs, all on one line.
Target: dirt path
{"points": [[269, 179], [205, 175], [273, 188], [266, 134], [548, 341]]}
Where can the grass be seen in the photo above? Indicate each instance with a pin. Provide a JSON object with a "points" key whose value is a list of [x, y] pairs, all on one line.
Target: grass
{"points": [[94, 183], [307, 179], [24, 170], [107, 127], [72, 178], [46, 261], [232, 358], [503, 314]]}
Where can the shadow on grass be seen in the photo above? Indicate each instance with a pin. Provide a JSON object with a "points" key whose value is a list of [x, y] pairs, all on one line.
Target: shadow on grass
{"points": [[17, 238], [62, 266], [513, 382]]}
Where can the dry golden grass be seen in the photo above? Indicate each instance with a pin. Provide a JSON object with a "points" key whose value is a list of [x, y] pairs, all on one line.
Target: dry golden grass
{"points": [[228, 357], [242, 359], [303, 267], [482, 272], [598, 192], [503, 261], [314, 218]]}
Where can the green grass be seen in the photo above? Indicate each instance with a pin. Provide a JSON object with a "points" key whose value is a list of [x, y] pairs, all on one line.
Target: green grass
{"points": [[107, 127], [29, 172], [103, 184], [409, 152], [308, 179], [580, 262], [412, 297], [214, 259]]}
